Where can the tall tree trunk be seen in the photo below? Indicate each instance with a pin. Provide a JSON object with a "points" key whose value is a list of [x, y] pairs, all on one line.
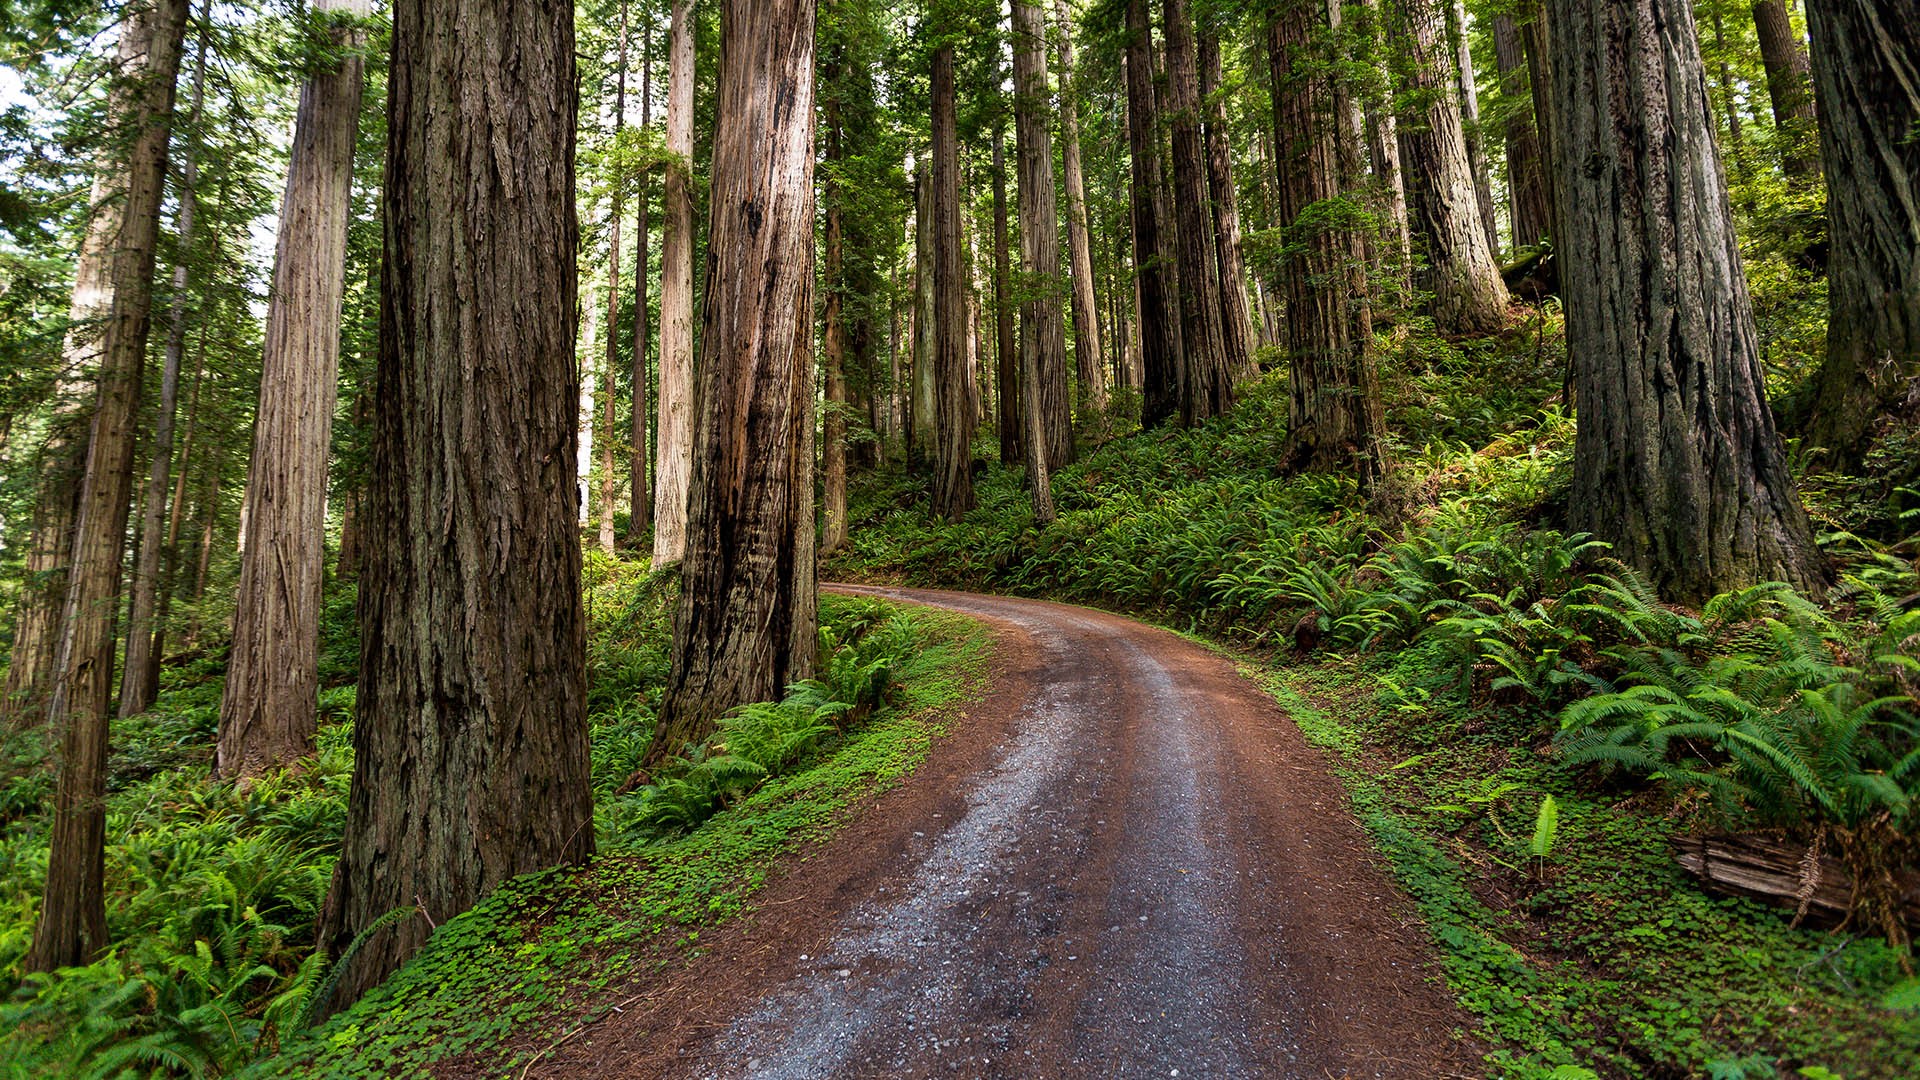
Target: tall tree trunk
{"points": [[37, 624], [1468, 295], [1006, 361], [1336, 423], [953, 405], [176, 512], [1382, 128], [1041, 326], [267, 713], [1160, 361], [1868, 67], [1540, 82], [1676, 462], [1207, 389], [609, 380], [1790, 87], [1236, 318], [1526, 182], [470, 751], [72, 923], [140, 673], [673, 464], [920, 400], [833, 351], [1087, 355], [1470, 121], [640, 466], [745, 628]]}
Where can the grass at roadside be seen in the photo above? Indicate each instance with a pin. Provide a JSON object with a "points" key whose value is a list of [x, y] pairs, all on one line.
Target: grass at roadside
{"points": [[545, 951]]}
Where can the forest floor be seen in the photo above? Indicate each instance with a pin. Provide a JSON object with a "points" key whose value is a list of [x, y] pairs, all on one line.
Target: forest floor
{"points": [[1124, 861]]}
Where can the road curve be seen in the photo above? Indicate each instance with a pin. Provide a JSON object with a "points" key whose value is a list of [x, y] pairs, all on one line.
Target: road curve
{"points": [[1139, 869]]}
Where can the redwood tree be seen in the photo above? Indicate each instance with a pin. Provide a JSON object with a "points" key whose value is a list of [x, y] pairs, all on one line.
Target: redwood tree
{"points": [[1087, 360], [673, 462], [1236, 320], [72, 923], [1468, 294], [1160, 362], [1789, 87], [1041, 327], [1335, 419], [268, 709], [1868, 72], [1528, 214], [1206, 385], [470, 743], [953, 401], [745, 627], [1676, 463]]}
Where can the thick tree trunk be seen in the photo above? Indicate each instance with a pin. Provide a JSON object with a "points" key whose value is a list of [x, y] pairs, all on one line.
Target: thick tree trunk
{"points": [[673, 464], [1729, 97], [953, 404], [1160, 362], [1526, 182], [1207, 388], [833, 351], [1868, 67], [1088, 357], [140, 671], [72, 924], [1468, 295], [1236, 317], [1041, 327], [640, 453], [1790, 87], [1540, 82], [1006, 361], [1335, 420], [267, 713], [470, 751], [920, 401], [1676, 463], [745, 628]]}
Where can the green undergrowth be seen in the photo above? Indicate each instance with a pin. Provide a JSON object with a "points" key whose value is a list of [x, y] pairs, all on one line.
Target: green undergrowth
{"points": [[1524, 726], [546, 952], [213, 890], [1581, 945]]}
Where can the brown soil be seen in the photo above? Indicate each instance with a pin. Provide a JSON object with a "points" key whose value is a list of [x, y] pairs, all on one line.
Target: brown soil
{"points": [[1124, 861]]}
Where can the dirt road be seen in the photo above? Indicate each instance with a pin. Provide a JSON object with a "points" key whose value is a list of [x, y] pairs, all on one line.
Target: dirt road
{"points": [[1125, 862]]}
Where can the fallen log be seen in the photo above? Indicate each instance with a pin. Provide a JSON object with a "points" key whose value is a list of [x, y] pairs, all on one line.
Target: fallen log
{"points": [[1774, 869]]}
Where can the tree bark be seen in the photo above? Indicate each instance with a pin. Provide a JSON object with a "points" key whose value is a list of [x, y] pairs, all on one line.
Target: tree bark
{"points": [[673, 464], [1468, 294], [1526, 182], [833, 351], [920, 401], [72, 924], [1207, 389], [1382, 128], [745, 628], [140, 671], [640, 467], [1160, 361], [1087, 355], [1789, 86], [1867, 62], [470, 749], [1236, 317], [1540, 82], [1676, 462], [953, 404], [1335, 418], [267, 712], [1006, 361], [1041, 327]]}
